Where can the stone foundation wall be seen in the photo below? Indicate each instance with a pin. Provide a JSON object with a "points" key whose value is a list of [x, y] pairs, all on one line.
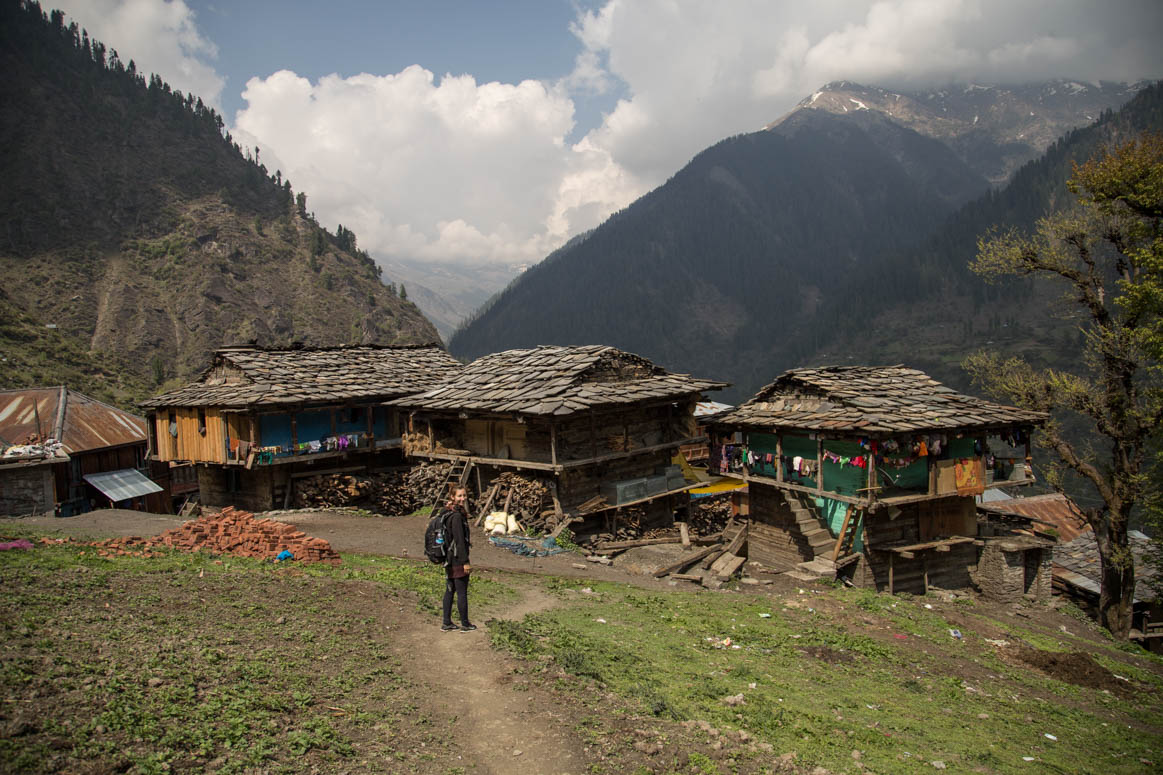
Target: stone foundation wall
{"points": [[1008, 576], [26, 490], [254, 490]]}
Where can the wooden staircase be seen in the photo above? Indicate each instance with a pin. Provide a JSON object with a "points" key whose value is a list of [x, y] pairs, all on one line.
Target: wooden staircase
{"points": [[457, 477], [828, 553]]}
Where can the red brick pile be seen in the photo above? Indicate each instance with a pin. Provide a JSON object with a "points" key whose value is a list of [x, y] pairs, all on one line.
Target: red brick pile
{"points": [[230, 532]]}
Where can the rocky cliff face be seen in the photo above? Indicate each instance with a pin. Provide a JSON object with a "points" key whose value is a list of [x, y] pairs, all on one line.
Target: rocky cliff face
{"points": [[137, 232]]}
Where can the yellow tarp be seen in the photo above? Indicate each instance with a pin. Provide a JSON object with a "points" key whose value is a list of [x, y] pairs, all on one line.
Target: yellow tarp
{"points": [[723, 485], [688, 473]]}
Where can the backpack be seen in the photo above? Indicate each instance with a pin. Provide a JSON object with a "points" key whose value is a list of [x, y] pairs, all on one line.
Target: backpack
{"points": [[436, 537]]}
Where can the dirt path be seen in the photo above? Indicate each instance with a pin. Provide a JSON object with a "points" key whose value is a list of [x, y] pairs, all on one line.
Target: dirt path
{"points": [[500, 725]]}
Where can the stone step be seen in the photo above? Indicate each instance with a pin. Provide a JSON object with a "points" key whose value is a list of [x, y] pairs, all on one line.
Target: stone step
{"points": [[801, 576], [820, 565]]}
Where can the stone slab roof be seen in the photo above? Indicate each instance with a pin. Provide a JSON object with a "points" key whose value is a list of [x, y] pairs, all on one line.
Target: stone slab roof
{"points": [[870, 400], [556, 381], [250, 377], [1077, 563]]}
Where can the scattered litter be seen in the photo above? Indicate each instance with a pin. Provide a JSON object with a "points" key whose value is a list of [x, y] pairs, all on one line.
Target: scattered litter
{"points": [[900, 636], [1121, 677], [765, 616], [938, 765], [600, 620], [752, 685], [1027, 758], [801, 592], [19, 543], [284, 555], [1063, 628], [929, 606], [1049, 736], [1001, 644], [956, 634], [587, 591], [720, 643]]}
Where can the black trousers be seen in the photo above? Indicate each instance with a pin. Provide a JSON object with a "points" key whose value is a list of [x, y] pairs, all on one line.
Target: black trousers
{"points": [[460, 588]]}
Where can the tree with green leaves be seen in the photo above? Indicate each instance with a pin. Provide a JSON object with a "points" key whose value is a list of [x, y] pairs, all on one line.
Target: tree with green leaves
{"points": [[1107, 250]]}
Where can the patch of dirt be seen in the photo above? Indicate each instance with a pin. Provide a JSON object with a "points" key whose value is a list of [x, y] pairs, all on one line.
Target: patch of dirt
{"points": [[1076, 668], [831, 656]]}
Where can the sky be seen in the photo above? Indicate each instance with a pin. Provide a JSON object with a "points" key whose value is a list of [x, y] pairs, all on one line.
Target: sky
{"points": [[475, 132]]}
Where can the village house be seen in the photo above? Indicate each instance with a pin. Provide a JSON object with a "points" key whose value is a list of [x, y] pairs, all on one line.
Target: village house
{"points": [[65, 453], [601, 426], [256, 420], [871, 472], [1077, 568]]}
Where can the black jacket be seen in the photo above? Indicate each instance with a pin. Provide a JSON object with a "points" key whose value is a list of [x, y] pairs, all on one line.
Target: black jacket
{"points": [[457, 535]]}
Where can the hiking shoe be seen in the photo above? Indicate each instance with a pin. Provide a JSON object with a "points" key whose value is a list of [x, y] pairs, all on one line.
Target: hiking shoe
{"points": [[467, 627], [449, 627]]}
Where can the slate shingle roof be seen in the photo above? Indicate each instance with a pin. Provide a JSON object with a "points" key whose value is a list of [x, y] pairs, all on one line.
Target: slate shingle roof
{"points": [[556, 380], [281, 377], [1077, 563], [869, 399]]}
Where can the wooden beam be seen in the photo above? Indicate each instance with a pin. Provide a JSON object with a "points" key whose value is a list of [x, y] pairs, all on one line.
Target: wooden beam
{"points": [[488, 502], [553, 443], [819, 466], [685, 561], [684, 534]]}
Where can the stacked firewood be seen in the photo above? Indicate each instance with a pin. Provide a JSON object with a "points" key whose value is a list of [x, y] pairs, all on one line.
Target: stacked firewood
{"points": [[709, 515], [529, 500], [390, 493]]}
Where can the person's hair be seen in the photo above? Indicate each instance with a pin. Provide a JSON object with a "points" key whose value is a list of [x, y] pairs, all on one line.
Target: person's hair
{"points": [[453, 489]]}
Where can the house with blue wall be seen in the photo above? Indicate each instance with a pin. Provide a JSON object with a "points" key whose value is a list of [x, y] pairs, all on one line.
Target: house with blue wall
{"points": [[256, 420]]}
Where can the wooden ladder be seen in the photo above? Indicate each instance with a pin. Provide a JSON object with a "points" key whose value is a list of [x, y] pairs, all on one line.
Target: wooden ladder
{"points": [[847, 535], [457, 477]]}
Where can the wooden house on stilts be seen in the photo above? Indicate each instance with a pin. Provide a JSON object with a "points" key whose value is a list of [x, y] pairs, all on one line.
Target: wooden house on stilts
{"points": [[257, 419], [871, 473], [599, 425]]}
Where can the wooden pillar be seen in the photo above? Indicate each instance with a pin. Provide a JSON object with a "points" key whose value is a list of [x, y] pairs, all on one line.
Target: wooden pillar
{"points": [[294, 434], [431, 437], [553, 443], [925, 567], [254, 439], [890, 558], [778, 456], [371, 431], [819, 465], [873, 479], [593, 435]]}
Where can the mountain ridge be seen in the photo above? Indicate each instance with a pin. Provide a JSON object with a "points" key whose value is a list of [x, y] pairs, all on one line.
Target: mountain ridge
{"points": [[136, 227]]}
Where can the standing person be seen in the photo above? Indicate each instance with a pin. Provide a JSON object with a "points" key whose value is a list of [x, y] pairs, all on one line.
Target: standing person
{"points": [[456, 567]]}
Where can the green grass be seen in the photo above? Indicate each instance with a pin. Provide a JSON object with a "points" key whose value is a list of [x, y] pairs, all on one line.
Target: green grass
{"points": [[899, 706], [187, 662]]}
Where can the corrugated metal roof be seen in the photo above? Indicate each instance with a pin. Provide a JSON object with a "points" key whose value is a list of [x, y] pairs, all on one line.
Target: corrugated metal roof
{"points": [[122, 485], [1054, 508], [868, 400], [556, 380], [85, 423]]}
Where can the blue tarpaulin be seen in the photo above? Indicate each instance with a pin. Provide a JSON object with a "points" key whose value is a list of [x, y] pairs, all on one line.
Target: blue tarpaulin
{"points": [[529, 547]]}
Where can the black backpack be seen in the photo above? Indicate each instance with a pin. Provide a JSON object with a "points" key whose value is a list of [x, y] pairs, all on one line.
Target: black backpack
{"points": [[436, 537]]}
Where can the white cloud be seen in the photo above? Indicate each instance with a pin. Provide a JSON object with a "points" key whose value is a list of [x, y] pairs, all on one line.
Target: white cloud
{"points": [[445, 169], [452, 170], [160, 37]]}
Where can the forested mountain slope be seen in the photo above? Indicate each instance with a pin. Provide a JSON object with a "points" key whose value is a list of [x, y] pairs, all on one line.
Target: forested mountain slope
{"points": [[832, 237], [145, 236], [711, 272]]}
